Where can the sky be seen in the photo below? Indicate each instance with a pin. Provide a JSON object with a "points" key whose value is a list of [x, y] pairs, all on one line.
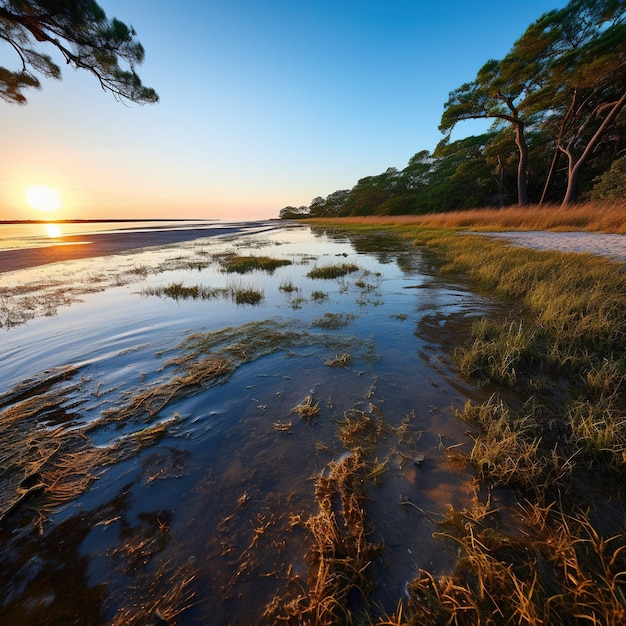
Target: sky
{"points": [[262, 105]]}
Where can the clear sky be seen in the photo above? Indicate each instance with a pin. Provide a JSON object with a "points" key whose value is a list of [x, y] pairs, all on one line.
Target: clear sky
{"points": [[263, 105]]}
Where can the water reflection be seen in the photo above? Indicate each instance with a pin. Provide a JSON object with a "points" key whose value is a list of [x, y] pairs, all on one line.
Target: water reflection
{"points": [[53, 230]]}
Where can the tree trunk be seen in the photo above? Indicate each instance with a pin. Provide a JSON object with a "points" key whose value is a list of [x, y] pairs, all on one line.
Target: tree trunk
{"points": [[574, 167], [522, 167]]}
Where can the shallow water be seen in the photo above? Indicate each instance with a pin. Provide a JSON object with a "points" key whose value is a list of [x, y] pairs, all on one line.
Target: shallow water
{"points": [[198, 522], [35, 235]]}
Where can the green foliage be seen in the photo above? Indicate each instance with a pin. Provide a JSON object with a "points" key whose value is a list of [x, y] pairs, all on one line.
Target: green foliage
{"points": [[83, 35], [612, 184]]}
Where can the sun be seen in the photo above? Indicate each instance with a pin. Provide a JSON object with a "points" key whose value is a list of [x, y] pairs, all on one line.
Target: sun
{"points": [[42, 198]]}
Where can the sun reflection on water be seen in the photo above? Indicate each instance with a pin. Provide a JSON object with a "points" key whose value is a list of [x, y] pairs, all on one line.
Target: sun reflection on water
{"points": [[53, 231]]}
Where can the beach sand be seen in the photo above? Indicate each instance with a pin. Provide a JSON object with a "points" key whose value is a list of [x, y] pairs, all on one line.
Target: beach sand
{"points": [[102, 244]]}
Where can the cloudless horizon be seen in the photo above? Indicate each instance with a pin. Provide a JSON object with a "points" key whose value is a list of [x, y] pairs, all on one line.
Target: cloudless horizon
{"points": [[263, 105]]}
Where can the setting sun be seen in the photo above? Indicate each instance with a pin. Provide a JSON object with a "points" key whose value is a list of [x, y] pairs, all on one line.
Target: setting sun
{"points": [[42, 198]]}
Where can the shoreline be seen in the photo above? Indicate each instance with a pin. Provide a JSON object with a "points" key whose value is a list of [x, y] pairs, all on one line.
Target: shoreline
{"points": [[72, 247]]}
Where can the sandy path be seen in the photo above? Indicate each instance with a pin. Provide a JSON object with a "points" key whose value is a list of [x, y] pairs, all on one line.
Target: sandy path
{"points": [[613, 246]]}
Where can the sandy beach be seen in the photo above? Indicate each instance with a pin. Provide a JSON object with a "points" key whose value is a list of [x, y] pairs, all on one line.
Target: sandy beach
{"points": [[101, 244]]}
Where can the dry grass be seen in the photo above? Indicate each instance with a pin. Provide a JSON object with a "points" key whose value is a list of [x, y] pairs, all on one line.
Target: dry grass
{"points": [[510, 449], [591, 216], [557, 570], [308, 409], [339, 584]]}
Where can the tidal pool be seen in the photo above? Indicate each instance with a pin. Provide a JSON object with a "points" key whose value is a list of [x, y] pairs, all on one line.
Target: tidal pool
{"points": [[164, 441]]}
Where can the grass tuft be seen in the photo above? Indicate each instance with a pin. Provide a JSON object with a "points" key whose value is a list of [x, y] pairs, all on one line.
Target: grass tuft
{"points": [[333, 271], [234, 263]]}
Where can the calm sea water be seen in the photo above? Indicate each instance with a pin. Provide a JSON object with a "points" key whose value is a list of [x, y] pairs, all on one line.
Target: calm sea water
{"points": [[14, 236]]}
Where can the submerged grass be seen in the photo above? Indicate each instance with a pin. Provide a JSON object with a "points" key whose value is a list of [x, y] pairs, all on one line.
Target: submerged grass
{"points": [[339, 584], [333, 320]]}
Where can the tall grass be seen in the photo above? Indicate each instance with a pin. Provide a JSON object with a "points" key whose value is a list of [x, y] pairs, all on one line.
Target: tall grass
{"points": [[592, 216]]}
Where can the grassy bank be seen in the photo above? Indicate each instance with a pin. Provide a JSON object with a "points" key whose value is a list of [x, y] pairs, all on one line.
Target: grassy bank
{"points": [[591, 217], [546, 542]]}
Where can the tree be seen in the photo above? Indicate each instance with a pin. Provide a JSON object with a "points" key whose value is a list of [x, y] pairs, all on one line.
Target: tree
{"points": [[496, 92], [293, 213], [460, 177], [580, 53], [86, 39]]}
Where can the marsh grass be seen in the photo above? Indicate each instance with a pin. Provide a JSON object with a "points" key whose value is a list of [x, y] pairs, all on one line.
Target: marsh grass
{"points": [[498, 352], [510, 449], [333, 321], [288, 286], [241, 264], [308, 409], [334, 271], [339, 584], [239, 293], [245, 294], [557, 569], [591, 216], [339, 360], [319, 296]]}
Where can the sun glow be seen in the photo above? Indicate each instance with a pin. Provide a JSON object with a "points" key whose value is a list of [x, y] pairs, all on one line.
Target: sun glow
{"points": [[43, 199], [53, 231]]}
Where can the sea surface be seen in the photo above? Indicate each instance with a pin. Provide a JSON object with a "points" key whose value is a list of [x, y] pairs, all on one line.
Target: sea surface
{"points": [[15, 236], [158, 457]]}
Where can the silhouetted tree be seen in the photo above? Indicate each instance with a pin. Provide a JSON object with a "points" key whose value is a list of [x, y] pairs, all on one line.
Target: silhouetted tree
{"points": [[85, 37]]}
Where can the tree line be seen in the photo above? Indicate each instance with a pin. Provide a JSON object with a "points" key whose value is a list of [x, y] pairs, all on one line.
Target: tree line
{"points": [[557, 104]]}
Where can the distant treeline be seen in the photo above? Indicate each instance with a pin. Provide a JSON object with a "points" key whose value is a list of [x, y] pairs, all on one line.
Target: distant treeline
{"points": [[557, 101]]}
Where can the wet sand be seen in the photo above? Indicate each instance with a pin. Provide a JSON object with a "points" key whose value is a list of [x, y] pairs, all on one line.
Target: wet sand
{"points": [[101, 244]]}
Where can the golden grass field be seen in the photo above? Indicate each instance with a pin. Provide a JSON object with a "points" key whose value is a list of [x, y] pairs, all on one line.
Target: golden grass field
{"points": [[591, 217]]}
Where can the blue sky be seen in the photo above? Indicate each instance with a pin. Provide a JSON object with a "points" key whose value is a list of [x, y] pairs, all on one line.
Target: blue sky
{"points": [[263, 105]]}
